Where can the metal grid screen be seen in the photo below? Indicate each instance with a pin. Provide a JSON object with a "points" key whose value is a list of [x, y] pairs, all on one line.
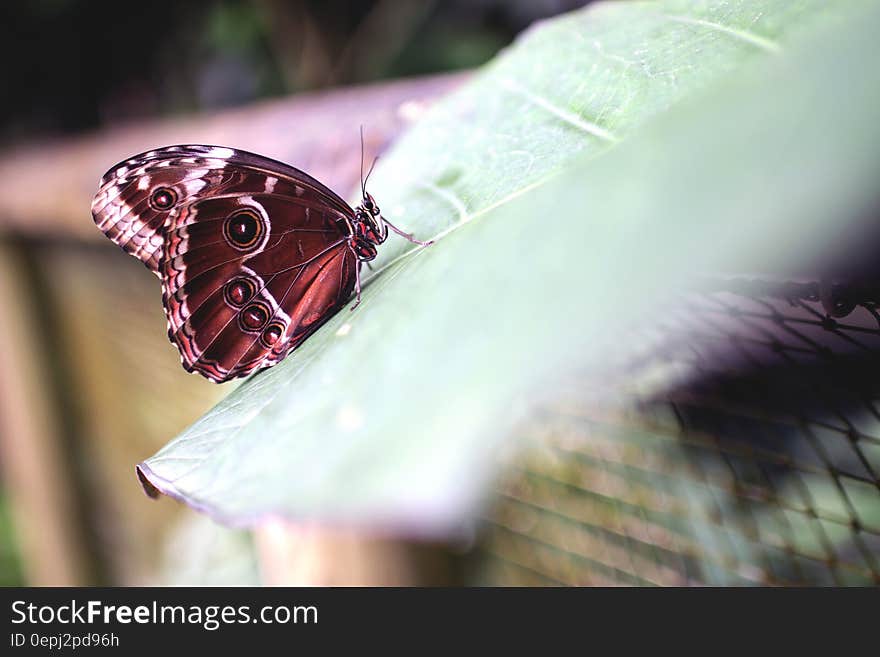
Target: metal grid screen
{"points": [[754, 463]]}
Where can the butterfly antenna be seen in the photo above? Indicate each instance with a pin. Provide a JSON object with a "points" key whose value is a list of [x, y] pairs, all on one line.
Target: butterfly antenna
{"points": [[375, 159], [363, 182]]}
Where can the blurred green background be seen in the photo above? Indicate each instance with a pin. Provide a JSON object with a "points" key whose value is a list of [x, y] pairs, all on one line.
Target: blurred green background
{"points": [[77, 64]]}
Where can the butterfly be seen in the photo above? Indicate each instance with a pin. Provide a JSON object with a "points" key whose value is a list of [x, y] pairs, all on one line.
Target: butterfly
{"points": [[253, 254]]}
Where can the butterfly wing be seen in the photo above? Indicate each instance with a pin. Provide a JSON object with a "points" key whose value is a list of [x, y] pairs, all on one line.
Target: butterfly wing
{"points": [[252, 254], [236, 303]]}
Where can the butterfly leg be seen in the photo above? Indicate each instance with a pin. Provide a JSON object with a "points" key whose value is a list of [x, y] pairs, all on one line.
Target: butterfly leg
{"points": [[357, 287], [406, 236]]}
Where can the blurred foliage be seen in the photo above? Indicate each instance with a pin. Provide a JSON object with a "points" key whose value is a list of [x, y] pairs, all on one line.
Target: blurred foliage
{"points": [[77, 64], [10, 560], [199, 552]]}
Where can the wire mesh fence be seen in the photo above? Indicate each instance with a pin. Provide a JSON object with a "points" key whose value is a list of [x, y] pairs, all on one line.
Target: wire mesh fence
{"points": [[748, 452]]}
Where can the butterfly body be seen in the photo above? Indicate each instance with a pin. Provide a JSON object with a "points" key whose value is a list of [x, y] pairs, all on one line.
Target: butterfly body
{"points": [[253, 255]]}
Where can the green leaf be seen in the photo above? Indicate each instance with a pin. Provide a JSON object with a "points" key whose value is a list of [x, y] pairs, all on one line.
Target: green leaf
{"points": [[596, 165]]}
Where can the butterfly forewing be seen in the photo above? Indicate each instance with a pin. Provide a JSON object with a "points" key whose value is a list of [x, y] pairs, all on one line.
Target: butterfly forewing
{"points": [[252, 253], [125, 209]]}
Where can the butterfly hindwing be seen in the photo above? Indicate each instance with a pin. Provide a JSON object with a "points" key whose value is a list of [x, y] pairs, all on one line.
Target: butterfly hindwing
{"points": [[289, 306], [238, 269]]}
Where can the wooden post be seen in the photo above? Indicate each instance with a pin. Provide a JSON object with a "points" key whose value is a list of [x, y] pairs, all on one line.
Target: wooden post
{"points": [[34, 476]]}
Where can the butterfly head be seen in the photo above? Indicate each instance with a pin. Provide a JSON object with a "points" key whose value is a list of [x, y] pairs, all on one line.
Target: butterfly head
{"points": [[370, 226], [369, 204]]}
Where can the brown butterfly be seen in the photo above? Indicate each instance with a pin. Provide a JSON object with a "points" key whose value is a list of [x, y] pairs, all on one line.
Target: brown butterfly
{"points": [[254, 255]]}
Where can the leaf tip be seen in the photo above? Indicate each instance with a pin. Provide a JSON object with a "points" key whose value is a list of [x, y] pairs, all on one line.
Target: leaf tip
{"points": [[143, 472]]}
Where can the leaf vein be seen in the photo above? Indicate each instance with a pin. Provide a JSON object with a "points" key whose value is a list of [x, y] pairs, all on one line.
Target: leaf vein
{"points": [[743, 35], [569, 117]]}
